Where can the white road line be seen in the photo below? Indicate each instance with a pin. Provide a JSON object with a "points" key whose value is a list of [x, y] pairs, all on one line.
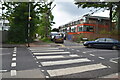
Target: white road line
{"points": [[3, 71], [14, 55], [101, 57], [51, 63], [49, 57], [53, 57], [40, 66], [14, 52], [46, 76], [42, 70], [13, 59], [73, 49], [13, 64], [15, 49], [92, 55], [74, 55], [113, 61], [13, 72], [84, 52], [45, 50], [78, 51], [51, 53], [73, 70]]}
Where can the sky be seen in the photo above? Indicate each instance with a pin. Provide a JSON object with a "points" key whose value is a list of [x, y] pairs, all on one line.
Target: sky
{"points": [[66, 11]]}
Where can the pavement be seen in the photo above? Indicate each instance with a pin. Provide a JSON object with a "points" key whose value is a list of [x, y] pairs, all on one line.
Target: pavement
{"points": [[43, 44]]}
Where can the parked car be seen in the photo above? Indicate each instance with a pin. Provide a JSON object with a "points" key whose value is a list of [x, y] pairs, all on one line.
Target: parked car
{"points": [[103, 43], [53, 34], [58, 38]]}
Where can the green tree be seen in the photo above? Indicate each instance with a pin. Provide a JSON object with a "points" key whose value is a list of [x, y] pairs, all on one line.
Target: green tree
{"points": [[112, 6], [17, 13]]}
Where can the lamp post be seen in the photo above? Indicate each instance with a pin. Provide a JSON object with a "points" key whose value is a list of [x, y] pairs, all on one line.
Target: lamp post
{"points": [[28, 32]]}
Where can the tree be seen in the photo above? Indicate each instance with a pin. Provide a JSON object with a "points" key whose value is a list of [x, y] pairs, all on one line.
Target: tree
{"points": [[106, 5], [17, 13]]}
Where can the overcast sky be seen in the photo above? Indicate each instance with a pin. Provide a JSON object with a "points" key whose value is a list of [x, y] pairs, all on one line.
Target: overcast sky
{"points": [[66, 11]]}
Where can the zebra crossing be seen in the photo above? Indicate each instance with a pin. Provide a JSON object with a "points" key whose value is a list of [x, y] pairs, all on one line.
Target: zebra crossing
{"points": [[51, 57]]}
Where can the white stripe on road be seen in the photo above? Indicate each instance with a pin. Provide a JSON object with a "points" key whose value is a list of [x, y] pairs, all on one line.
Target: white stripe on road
{"points": [[3, 71], [51, 63], [14, 52], [13, 59], [51, 53], [92, 55], [49, 57], [14, 55], [73, 70], [46, 50], [13, 72], [78, 51], [101, 57], [73, 55], [53, 57], [13, 64]]}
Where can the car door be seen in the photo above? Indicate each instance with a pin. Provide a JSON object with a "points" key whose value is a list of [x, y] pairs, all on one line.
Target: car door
{"points": [[100, 43], [109, 43]]}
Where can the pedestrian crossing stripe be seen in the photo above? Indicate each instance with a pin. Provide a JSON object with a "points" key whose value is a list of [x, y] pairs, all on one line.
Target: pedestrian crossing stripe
{"points": [[55, 56], [51, 53], [73, 70], [63, 62], [45, 50]]}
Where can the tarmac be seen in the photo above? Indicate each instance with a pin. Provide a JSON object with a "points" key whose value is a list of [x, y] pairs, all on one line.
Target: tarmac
{"points": [[44, 44]]}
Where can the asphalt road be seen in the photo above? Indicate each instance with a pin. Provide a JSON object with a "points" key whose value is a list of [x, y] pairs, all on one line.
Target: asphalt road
{"points": [[72, 60]]}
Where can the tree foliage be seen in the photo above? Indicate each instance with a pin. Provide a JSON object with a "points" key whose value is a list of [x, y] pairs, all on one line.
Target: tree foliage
{"points": [[112, 6], [18, 12]]}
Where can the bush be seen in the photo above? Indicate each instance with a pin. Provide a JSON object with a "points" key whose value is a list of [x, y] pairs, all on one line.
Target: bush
{"points": [[46, 39]]}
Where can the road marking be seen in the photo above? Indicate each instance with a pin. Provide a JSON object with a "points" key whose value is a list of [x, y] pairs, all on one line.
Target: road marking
{"points": [[73, 49], [84, 52], [46, 50], [49, 57], [13, 64], [73, 70], [15, 49], [78, 51], [73, 55], [113, 61], [37, 62], [14, 52], [46, 76], [53, 57], [13, 59], [51, 63], [51, 53], [40, 66], [42, 70], [101, 57], [13, 72], [14, 55], [3, 71], [92, 55]]}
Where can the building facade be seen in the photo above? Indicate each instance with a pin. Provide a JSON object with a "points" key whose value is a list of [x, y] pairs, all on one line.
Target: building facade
{"points": [[86, 25]]}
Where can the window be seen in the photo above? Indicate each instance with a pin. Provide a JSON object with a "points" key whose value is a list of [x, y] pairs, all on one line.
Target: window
{"points": [[109, 40], [101, 40], [88, 28], [80, 28]]}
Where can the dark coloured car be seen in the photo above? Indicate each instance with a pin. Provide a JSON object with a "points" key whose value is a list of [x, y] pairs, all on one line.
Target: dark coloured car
{"points": [[58, 38], [103, 43]]}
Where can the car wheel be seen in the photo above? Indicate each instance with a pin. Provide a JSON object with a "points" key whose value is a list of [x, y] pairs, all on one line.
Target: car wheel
{"points": [[89, 45], [114, 47]]}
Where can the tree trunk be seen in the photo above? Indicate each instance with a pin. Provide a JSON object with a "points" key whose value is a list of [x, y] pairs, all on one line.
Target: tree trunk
{"points": [[110, 17]]}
